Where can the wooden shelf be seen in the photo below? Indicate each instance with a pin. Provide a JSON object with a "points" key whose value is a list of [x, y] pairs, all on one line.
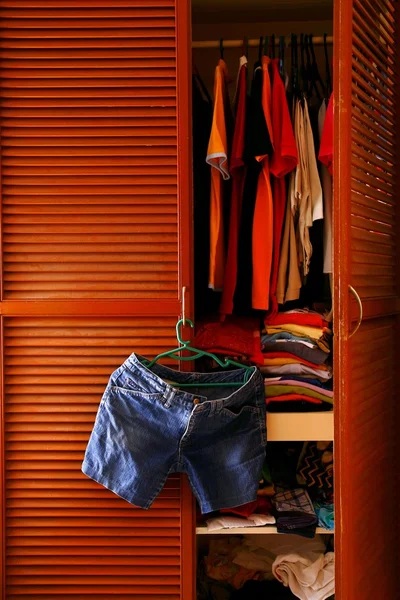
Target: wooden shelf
{"points": [[265, 530], [297, 427]]}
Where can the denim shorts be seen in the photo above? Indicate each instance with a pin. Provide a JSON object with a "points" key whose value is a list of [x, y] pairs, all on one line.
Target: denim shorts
{"points": [[146, 429]]}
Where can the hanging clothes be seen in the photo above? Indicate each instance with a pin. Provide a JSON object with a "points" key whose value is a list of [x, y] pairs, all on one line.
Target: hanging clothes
{"points": [[257, 143], [314, 288], [314, 181], [217, 157], [289, 280], [300, 199], [284, 160], [238, 174], [262, 243], [325, 123], [202, 120], [326, 147]]}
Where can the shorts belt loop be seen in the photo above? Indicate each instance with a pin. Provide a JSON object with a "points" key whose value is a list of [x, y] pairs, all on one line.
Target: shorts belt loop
{"points": [[213, 409], [169, 396]]}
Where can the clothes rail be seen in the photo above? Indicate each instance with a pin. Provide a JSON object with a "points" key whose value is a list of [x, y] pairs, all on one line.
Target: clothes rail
{"points": [[316, 40]]}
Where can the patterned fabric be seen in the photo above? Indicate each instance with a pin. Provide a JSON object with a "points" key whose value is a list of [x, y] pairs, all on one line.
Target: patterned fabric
{"points": [[294, 512], [316, 470], [293, 500]]}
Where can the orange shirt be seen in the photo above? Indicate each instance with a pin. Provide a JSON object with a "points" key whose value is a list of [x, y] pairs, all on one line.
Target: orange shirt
{"points": [[263, 212], [217, 157]]}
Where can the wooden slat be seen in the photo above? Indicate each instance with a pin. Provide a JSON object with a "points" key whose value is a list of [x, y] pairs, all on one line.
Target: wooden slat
{"points": [[374, 188], [366, 74], [91, 271], [92, 86], [47, 496], [362, 40], [368, 127]]}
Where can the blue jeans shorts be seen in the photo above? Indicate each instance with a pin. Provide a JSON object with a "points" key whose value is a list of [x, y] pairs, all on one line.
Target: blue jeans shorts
{"points": [[146, 429]]}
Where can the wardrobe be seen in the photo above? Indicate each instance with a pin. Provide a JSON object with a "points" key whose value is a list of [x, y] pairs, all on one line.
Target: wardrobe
{"points": [[97, 260]]}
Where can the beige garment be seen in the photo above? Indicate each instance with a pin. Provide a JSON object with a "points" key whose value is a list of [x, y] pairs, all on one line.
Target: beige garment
{"points": [[302, 193], [296, 175], [306, 195], [310, 576], [289, 280], [316, 200]]}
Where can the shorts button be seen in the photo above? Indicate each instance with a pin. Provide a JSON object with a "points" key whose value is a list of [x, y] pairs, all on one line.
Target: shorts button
{"points": [[196, 401]]}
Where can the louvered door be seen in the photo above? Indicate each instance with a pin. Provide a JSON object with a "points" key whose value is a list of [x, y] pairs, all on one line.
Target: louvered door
{"points": [[95, 222], [366, 205]]}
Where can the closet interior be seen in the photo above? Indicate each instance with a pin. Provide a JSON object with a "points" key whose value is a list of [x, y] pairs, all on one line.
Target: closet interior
{"points": [[262, 186]]}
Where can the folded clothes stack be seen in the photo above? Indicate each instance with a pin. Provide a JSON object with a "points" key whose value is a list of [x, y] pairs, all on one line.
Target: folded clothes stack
{"points": [[294, 512], [315, 470], [252, 514], [251, 567], [296, 346]]}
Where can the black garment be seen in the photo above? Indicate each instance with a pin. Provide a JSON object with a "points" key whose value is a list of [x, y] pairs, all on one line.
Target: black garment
{"points": [[314, 288], [257, 143], [282, 459], [307, 531], [205, 299], [255, 590]]}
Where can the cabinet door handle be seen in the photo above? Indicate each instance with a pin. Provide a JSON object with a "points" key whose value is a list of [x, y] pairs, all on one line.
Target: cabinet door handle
{"points": [[184, 305], [360, 314]]}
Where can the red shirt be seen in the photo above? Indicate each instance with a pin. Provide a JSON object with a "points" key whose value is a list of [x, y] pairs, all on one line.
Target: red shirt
{"points": [[238, 174], [298, 317], [326, 146], [284, 158]]}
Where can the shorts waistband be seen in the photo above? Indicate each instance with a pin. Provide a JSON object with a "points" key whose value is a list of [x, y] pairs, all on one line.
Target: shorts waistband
{"points": [[157, 375]]}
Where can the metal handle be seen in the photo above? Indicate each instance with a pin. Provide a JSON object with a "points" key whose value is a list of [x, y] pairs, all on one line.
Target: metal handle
{"points": [[360, 315], [184, 306]]}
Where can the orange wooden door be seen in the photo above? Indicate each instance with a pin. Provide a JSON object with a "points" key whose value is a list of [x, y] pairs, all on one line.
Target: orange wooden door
{"points": [[95, 250], [366, 198]]}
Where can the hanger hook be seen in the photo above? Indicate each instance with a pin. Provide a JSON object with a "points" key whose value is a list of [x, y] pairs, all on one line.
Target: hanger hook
{"points": [[266, 45], [260, 48], [272, 46], [184, 305], [282, 47], [221, 48], [178, 331], [245, 46]]}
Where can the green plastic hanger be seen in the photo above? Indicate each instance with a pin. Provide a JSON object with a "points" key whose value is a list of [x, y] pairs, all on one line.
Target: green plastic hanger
{"points": [[185, 346]]}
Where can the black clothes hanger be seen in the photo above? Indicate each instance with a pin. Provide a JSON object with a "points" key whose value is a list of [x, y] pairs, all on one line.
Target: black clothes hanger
{"points": [[221, 48], [310, 79], [245, 47], [282, 56], [294, 66], [328, 87], [266, 46], [316, 77], [303, 84], [260, 49], [272, 46]]}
